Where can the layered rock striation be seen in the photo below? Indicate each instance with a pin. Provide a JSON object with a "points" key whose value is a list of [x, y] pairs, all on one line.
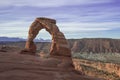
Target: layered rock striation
{"points": [[97, 45], [59, 46]]}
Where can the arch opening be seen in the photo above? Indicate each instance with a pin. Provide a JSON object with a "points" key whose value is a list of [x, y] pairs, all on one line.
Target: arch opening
{"points": [[59, 45], [43, 34], [43, 42]]}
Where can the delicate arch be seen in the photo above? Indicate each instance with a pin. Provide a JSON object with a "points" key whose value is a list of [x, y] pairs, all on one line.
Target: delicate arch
{"points": [[59, 45]]}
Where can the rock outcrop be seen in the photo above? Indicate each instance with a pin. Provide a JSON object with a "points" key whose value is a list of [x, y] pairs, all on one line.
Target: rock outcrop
{"points": [[59, 46], [14, 66], [108, 71]]}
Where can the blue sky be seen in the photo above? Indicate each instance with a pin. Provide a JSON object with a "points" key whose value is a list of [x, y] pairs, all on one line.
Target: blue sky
{"points": [[75, 18]]}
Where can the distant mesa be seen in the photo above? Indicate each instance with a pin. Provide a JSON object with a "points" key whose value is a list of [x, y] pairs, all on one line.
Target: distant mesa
{"points": [[95, 45]]}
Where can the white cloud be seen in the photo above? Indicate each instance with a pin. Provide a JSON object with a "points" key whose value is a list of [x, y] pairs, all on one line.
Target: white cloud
{"points": [[49, 3], [15, 20], [15, 23], [14, 28], [86, 27], [20, 28], [64, 26]]}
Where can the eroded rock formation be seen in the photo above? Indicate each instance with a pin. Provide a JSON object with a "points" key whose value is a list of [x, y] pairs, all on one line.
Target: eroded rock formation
{"points": [[59, 45], [97, 45], [108, 71], [14, 66]]}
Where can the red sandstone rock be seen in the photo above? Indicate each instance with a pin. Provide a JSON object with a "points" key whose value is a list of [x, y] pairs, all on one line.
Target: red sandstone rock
{"points": [[14, 66], [109, 68], [59, 45], [42, 54]]}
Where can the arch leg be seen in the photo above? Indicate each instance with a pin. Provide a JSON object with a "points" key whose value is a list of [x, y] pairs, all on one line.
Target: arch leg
{"points": [[33, 31]]}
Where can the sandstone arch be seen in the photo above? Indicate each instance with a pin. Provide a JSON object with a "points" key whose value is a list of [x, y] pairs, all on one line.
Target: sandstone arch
{"points": [[59, 45]]}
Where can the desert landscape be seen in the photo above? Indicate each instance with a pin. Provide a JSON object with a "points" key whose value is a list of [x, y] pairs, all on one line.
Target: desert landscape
{"points": [[105, 65], [59, 40], [16, 66], [59, 58]]}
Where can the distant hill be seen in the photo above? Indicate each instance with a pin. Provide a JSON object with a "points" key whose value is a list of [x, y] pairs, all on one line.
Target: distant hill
{"points": [[14, 39], [42, 40], [10, 39], [85, 45], [95, 45]]}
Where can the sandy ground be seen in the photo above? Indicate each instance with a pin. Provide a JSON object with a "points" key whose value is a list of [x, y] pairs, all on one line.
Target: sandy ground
{"points": [[15, 66]]}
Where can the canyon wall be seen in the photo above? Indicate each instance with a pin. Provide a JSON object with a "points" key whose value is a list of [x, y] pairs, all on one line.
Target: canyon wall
{"points": [[109, 71], [97, 45]]}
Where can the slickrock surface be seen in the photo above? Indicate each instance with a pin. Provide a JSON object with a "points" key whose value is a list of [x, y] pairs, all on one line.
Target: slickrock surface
{"points": [[14, 66]]}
